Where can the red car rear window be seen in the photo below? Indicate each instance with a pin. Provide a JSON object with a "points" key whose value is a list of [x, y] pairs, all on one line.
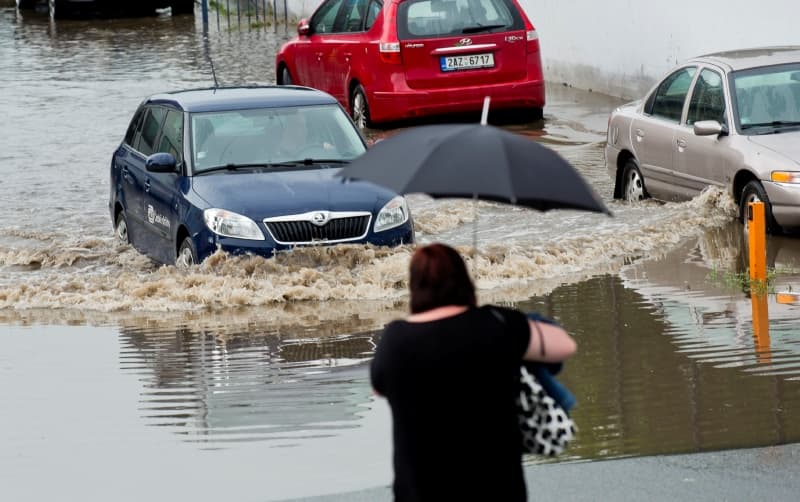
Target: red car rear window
{"points": [[447, 18]]}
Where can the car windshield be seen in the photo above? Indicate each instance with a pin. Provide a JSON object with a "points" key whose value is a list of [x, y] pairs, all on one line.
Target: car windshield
{"points": [[301, 135], [767, 99]]}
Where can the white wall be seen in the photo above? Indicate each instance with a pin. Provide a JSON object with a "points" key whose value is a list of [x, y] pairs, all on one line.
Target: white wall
{"points": [[620, 47]]}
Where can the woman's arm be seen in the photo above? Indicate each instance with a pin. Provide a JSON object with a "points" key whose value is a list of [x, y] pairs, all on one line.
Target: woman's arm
{"points": [[549, 343]]}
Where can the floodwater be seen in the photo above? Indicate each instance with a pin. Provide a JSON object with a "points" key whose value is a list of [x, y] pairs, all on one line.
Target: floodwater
{"points": [[246, 378]]}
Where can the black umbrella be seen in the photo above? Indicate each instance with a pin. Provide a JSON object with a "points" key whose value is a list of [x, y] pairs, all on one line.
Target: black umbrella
{"points": [[475, 161]]}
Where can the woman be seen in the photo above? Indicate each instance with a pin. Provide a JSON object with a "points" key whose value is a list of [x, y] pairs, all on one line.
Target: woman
{"points": [[451, 372]]}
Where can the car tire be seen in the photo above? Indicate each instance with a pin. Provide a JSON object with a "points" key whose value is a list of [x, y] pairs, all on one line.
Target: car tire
{"points": [[360, 107], [753, 192], [121, 228], [286, 77], [187, 255], [633, 188]]}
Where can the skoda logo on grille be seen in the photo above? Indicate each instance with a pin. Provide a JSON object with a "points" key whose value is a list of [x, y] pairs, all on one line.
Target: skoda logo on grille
{"points": [[464, 41], [320, 218]]}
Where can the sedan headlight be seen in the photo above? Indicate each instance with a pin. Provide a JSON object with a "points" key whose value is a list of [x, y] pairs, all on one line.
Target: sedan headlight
{"points": [[785, 176], [393, 214], [230, 224]]}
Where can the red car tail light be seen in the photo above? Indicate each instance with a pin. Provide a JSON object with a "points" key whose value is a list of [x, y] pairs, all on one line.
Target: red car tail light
{"points": [[532, 39], [390, 52]]}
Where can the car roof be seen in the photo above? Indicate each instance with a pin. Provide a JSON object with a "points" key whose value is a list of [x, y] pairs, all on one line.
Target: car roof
{"points": [[742, 59], [243, 97]]}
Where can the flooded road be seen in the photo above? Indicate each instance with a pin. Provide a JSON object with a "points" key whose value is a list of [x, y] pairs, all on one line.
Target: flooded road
{"points": [[121, 379]]}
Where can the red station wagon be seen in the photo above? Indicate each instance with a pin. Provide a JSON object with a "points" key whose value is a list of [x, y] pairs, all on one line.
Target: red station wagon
{"points": [[399, 59]]}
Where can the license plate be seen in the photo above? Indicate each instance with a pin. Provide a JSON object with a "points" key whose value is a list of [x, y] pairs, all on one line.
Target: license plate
{"points": [[452, 63]]}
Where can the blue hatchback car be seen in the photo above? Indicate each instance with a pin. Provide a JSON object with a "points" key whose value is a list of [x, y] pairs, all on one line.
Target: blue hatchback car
{"points": [[245, 170]]}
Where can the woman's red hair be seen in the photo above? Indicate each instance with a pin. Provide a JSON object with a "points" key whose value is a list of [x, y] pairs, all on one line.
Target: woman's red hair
{"points": [[438, 277]]}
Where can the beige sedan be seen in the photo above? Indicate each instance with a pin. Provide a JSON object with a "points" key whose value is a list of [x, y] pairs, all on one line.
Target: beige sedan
{"points": [[730, 119]]}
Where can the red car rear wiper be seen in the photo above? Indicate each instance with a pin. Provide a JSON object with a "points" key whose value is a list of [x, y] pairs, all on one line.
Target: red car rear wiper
{"points": [[478, 28]]}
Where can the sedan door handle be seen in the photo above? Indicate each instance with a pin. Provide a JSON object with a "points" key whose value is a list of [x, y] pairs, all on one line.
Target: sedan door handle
{"points": [[639, 133], [681, 144], [147, 185]]}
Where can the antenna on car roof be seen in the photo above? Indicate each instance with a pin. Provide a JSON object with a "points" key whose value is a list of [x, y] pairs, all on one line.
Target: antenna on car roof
{"points": [[213, 73]]}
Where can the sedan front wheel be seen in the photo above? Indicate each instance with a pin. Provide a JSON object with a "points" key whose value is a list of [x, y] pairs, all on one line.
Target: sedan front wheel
{"points": [[754, 192]]}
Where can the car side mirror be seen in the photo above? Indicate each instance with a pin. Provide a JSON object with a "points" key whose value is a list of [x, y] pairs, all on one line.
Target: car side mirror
{"points": [[303, 28], [709, 128], [161, 163]]}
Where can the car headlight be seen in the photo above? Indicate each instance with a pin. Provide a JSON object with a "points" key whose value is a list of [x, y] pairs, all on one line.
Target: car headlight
{"points": [[230, 224], [785, 176], [393, 214]]}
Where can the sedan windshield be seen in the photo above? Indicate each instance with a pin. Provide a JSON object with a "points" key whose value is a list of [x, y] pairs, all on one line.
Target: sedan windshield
{"points": [[297, 135], [767, 99]]}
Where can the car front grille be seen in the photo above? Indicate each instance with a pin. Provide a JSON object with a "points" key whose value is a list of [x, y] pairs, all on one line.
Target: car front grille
{"points": [[319, 227]]}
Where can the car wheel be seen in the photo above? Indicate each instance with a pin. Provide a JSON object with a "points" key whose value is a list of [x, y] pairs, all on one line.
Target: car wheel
{"points": [[286, 77], [187, 256], [121, 228], [754, 192], [633, 189], [360, 107]]}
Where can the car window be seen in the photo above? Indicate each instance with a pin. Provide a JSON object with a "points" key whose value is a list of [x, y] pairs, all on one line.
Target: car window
{"points": [[352, 17], [372, 13], [439, 18], [150, 128], [670, 96], [708, 99], [172, 135], [134, 127], [323, 20]]}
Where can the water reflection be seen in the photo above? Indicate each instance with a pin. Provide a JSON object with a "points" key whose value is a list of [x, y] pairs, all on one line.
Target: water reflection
{"points": [[251, 385], [655, 375]]}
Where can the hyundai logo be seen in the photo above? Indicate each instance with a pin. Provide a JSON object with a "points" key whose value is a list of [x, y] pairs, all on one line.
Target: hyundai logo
{"points": [[320, 218], [464, 41]]}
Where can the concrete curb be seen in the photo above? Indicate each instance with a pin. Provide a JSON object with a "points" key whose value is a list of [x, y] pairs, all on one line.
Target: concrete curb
{"points": [[769, 473]]}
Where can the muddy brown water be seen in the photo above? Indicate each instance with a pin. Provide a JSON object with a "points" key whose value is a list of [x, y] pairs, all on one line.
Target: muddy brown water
{"points": [[247, 378]]}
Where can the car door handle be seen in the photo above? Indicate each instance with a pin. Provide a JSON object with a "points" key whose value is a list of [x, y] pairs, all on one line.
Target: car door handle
{"points": [[347, 56], [639, 135], [681, 144], [124, 173], [319, 56], [147, 185]]}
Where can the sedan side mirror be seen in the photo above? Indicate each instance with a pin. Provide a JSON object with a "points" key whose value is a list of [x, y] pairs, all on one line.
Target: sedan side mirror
{"points": [[709, 128], [161, 163], [303, 28]]}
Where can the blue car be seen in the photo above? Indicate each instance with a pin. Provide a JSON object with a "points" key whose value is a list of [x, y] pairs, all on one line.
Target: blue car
{"points": [[245, 170]]}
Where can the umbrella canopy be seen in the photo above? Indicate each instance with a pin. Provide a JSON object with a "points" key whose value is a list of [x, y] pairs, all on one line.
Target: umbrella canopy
{"points": [[475, 161]]}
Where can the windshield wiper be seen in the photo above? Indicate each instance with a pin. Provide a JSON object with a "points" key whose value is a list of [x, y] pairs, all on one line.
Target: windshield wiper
{"points": [[478, 28], [230, 167], [774, 123], [310, 161]]}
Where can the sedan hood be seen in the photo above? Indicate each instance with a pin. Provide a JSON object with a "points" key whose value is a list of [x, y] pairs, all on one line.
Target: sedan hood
{"points": [[786, 144], [266, 194]]}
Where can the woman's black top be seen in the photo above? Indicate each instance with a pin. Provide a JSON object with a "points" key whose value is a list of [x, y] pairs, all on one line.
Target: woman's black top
{"points": [[451, 385]]}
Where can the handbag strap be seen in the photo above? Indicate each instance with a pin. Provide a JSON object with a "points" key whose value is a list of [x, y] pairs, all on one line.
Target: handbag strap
{"points": [[541, 337], [502, 319]]}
